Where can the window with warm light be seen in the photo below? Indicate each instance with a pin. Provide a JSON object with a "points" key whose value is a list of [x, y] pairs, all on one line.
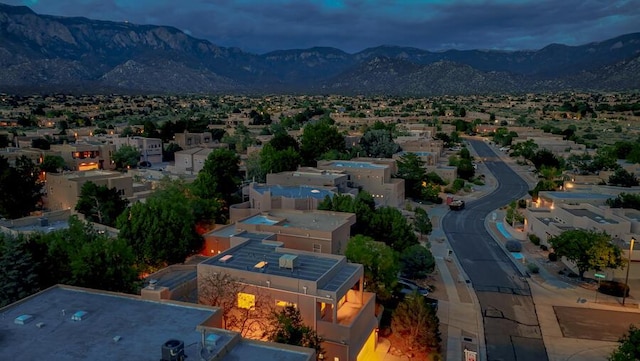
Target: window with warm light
{"points": [[280, 303], [246, 300]]}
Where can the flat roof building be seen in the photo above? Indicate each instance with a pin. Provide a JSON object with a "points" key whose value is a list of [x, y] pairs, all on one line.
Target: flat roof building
{"points": [[313, 231], [63, 189], [326, 289], [66, 323], [263, 198], [373, 175]]}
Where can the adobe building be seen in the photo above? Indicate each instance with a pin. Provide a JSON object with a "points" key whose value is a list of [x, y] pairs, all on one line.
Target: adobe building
{"points": [[150, 148], [84, 156], [311, 177], [313, 231], [326, 289], [63, 189], [263, 198], [188, 140], [374, 176], [545, 220], [190, 161], [65, 323]]}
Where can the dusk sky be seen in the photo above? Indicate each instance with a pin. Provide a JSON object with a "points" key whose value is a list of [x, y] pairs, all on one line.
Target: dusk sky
{"points": [[259, 26]]}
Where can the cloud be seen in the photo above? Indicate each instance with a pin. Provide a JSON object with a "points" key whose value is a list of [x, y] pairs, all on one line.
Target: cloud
{"points": [[352, 25]]}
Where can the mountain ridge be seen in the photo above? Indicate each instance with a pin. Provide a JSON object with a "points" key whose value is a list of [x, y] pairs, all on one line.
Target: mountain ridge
{"points": [[43, 52]]}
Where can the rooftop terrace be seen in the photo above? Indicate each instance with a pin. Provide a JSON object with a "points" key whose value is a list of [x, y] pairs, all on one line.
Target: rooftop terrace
{"points": [[591, 215], [264, 257], [294, 192], [352, 164]]}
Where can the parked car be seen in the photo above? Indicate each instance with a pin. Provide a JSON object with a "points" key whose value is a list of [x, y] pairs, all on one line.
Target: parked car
{"points": [[408, 287]]}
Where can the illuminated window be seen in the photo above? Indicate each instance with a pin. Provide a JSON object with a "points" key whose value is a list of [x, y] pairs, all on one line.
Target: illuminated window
{"points": [[280, 303], [246, 300]]}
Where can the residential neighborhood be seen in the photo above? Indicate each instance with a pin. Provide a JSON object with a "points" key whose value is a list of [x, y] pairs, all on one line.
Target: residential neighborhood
{"points": [[319, 219]]}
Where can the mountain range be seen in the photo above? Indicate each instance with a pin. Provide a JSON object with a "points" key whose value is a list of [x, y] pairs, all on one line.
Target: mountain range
{"points": [[42, 53]]}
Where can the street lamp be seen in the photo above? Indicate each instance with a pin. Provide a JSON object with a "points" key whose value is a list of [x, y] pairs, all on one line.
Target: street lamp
{"points": [[626, 280]]}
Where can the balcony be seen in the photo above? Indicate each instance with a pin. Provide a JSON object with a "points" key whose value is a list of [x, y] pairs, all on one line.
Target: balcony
{"points": [[354, 320]]}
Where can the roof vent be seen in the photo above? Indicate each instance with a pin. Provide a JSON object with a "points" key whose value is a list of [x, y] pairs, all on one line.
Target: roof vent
{"points": [[211, 341], [173, 350], [152, 284], [226, 258], [117, 338], [40, 324], [79, 315], [23, 319], [289, 261]]}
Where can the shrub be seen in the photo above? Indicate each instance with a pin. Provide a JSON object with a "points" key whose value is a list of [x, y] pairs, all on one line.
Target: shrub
{"points": [[534, 239], [614, 288], [553, 257], [533, 268], [543, 247], [513, 246], [522, 203]]}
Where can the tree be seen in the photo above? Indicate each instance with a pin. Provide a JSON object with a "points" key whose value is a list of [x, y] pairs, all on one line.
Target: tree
{"points": [[100, 204], [379, 261], [524, 149], [465, 169], [417, 262], [391, 227], [625, 200], [362, 205], [622, 178], [422, 222], [318, 138], [254, 168], [411, 169], [169, 152], [587, 249], [52, 163], [19, 269], [19, 188], [275, 161], [161, 230], [292, 331], [126, 156], [219, 177], [629, 348], [417, 326], [513, 214], [377, 143], [547, 158]]}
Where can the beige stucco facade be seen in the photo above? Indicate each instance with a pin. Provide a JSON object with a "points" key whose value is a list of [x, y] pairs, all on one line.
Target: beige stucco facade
{"points": [[326, 289], [373, 176], [63, 190]]}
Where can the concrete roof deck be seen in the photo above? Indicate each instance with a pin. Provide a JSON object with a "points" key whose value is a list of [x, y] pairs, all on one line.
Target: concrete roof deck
{"points": [[574, 195], [591, 215], [310, 267], [309, 220], [355, 164], [294, 191], [119, 327]]}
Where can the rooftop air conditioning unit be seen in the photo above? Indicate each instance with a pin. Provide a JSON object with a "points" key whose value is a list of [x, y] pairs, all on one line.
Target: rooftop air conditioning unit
{"points": [[289, 261], [173, 350]]}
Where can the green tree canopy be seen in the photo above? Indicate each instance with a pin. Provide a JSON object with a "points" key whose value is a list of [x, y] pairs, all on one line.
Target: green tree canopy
{"points": [[19, 187], [422, 222], [362, 205], [411, 169], [161, 230], [52, 163], [169, 152], [380, 264], [417, 262], [629, 348], [622, 178], [126, 156], [318, 138], [625, 200], [587, 249], [219, 177], [378, 143], [391, 227], [100, 204], [19, 269], [275, 161]]}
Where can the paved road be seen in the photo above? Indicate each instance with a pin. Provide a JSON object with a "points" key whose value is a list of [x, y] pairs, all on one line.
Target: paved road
{"points": [[511, 327]]}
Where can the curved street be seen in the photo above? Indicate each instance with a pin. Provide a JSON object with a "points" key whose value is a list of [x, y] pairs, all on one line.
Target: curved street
{"points": [[511, 327]]}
